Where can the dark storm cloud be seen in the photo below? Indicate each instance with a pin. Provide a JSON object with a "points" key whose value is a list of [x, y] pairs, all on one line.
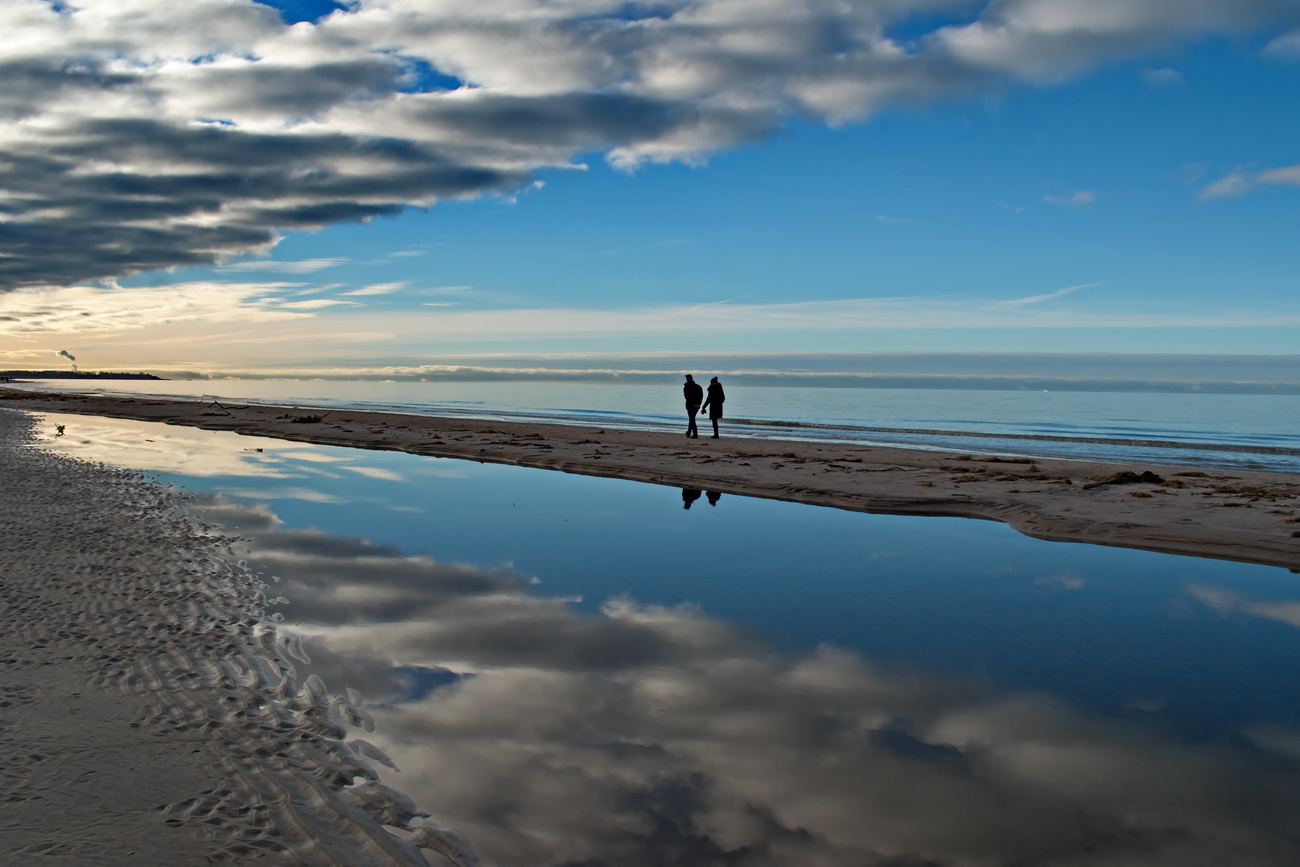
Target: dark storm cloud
{"points": [[566, 120], [228, 192], [158, 134], [32, 82]]}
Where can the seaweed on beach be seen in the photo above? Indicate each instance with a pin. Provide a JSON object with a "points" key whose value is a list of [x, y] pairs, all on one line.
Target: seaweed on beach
{"points": [[1127, 477]]}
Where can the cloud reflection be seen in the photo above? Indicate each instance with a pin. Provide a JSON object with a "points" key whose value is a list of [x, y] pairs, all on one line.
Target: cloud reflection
{"points": [[648, 735], [1227, 603], [204, 454]]}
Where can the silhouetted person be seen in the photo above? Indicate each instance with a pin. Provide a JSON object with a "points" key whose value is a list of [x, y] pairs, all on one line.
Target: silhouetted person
{"points": [[713, 496], [693, 394], [713, 403], [689, 495]]}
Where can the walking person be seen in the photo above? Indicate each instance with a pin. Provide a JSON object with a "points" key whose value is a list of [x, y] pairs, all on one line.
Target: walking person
{"points": [[713, 403], [693, 394]]}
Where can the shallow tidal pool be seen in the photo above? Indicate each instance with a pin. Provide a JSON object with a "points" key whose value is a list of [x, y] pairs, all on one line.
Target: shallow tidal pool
{"points": [[581, 671]]}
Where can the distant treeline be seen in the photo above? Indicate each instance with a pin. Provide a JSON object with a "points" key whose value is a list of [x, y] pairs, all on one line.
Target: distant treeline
{"points": [[72, 374]]}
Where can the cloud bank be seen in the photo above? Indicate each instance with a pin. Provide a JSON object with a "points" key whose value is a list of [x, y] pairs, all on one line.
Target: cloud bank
{"points": [[148, 134]]}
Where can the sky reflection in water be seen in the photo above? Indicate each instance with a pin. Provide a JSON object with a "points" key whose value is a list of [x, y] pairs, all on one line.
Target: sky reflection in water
{"points": [[581, 671]]}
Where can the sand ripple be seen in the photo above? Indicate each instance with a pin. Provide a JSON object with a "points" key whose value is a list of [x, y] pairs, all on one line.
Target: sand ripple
{"points": [[145, 691]]}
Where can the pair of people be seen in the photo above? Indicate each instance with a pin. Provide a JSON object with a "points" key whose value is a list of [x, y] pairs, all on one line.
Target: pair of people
{"points": [[713, 403]]}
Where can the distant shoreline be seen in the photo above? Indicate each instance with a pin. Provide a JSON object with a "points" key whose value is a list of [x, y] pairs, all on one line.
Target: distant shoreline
{"points": [[27, 375], [1242, 516]]}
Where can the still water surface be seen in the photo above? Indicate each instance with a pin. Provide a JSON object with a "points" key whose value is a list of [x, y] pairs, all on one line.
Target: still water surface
{"points": [[579, 671]]}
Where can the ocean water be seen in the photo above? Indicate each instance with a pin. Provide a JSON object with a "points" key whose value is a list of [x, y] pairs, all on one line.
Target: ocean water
{"points": [[1222, 430], [574, 670]]}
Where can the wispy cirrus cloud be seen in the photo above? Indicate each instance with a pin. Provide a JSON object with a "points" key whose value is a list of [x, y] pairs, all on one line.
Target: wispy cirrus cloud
{"points": [[153, 134], [1240, 182], [378, 289], [302, 266], [1048, 296], [1163, 77], [1077, 199]]}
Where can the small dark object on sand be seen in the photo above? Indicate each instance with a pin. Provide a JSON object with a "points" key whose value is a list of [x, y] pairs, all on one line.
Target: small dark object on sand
{"points": [[1128, 477]]}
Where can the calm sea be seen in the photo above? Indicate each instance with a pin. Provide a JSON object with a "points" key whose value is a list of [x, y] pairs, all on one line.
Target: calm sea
{"points": [[1221, 430]]}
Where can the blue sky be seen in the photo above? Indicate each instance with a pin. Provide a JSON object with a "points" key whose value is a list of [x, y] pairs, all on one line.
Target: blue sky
{"points": [[1065, 177]]}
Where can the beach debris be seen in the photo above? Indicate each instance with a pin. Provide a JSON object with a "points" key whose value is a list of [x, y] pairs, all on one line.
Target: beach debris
{"points": [[215, 404], [1128, 477], [59, 429], [1254, 493]]}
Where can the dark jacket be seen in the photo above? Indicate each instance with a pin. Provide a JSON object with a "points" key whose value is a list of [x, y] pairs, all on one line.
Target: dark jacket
{"points": [[693, 394], [715, 399]]}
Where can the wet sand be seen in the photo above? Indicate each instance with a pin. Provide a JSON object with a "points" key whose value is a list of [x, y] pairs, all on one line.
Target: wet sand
{"points": [[148, 711], [1231, 515]]}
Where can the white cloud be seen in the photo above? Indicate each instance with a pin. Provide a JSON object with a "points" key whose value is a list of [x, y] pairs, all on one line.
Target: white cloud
{"points": [[1164, 77], [1285, 47], [1240, 182], [81, 310], [1077, 199], [314, 304], [378, 289]]}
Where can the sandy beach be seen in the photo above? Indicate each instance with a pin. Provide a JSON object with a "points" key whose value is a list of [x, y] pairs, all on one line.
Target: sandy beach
{"points": [[150, 715], [1231, 515]]}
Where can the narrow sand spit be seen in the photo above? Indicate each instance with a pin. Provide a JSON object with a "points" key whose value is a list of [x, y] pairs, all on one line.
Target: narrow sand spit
{"points": [[148, 712], [1250, 517]]}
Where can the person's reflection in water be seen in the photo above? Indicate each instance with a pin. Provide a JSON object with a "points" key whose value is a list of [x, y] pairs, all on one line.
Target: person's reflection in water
{"points": [[689, 495], [714, 496]]}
